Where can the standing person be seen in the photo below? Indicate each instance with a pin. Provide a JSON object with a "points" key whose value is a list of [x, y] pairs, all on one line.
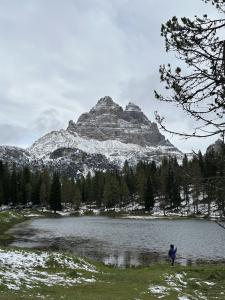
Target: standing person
{"points": [[172, 254]]}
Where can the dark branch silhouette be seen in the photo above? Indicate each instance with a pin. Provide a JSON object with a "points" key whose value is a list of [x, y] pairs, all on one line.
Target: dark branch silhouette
{"points": [[199, 90]]}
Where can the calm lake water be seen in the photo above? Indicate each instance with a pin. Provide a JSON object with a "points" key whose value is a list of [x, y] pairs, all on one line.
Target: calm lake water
{"points": [[124, 242]]}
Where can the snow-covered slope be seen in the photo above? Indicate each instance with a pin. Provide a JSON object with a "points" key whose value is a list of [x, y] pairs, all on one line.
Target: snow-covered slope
{"points": [[115, 151], [15, 155], [101, 139]]}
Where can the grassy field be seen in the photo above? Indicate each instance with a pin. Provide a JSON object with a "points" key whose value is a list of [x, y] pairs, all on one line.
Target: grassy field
{"points": [[7, 220], [36, 275], [29, 274]]}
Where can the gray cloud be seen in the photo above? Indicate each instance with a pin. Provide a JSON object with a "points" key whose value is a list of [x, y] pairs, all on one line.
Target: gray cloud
{"points": [[59, 57], [47, 120], [13, 134]]}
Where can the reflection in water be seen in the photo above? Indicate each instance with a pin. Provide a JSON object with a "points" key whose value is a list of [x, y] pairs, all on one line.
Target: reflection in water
{"points": [[124, 242], [131, 259]]}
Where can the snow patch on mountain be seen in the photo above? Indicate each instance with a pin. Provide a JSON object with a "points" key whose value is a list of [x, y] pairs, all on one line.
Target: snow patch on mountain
{"points": [[115, 151], [14, 155]]}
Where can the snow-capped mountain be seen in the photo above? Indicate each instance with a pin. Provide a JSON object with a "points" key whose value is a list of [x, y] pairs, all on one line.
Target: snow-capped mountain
{"points": [[101, 139], [14, 155]]}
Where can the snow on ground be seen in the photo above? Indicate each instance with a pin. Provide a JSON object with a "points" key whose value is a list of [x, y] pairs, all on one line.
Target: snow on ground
{"points": [[159, 291], [134, 206], [178, 283], [32, 215], [141, 217], [4, 207], [209, 283], [133, 210], [157, 212], [27, 270]]}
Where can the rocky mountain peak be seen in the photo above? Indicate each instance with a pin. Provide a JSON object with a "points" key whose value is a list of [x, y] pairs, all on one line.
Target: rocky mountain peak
{"points": [[108, 121], [132, 107], [106, 104]]}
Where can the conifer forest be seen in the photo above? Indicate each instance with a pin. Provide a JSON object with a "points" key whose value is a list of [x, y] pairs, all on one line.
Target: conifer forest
{"points": [[200, 179]]}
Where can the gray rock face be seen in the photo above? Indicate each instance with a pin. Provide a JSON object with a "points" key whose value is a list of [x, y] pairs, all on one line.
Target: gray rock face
{"points": [[14, 155], [108, 121], [74, 162], [71, 162], [217, 147]]}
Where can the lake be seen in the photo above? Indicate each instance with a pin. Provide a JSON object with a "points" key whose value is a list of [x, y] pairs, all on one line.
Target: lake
{"points": [[124, 242]]}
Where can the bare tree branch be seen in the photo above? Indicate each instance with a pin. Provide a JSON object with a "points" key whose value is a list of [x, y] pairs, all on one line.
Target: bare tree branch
{"points": [[200, 89]]}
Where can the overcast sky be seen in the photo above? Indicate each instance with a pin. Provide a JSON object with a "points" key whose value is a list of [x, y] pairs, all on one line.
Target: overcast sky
{"points": [[59, 57]]}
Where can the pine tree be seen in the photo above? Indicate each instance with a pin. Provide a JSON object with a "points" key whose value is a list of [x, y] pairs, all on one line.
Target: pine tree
{"points": [[98, 181], [45, 187], [14, 187], [185, 178], [149, 196], [55, 194], [107, 194], [35, 192], [154, 177], [1, 183], [66, 191], [81, 182], [25, 188], [6, 184], [43, 194], [173, 184], [88, 189], [76, 196], [124, 192], [128, 175], [220, 184], [210, 178], [1, 193], [163, 178], [141, 182], [197, 182], [111, 193]]}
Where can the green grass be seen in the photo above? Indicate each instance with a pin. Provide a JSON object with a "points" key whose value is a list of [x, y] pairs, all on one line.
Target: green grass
{"points": [[7, 220], [123, 284]]}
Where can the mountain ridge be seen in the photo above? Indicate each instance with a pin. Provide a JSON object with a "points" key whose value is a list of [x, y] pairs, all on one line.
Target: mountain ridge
{"points": [[101, 139], [107, 120]]}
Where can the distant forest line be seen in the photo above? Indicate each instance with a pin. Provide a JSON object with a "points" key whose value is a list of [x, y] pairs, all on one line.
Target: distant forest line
{"points": [[198, 180]]}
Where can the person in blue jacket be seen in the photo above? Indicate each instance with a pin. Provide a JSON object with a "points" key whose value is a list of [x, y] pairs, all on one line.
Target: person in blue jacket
{"points": [[172, 254]]}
